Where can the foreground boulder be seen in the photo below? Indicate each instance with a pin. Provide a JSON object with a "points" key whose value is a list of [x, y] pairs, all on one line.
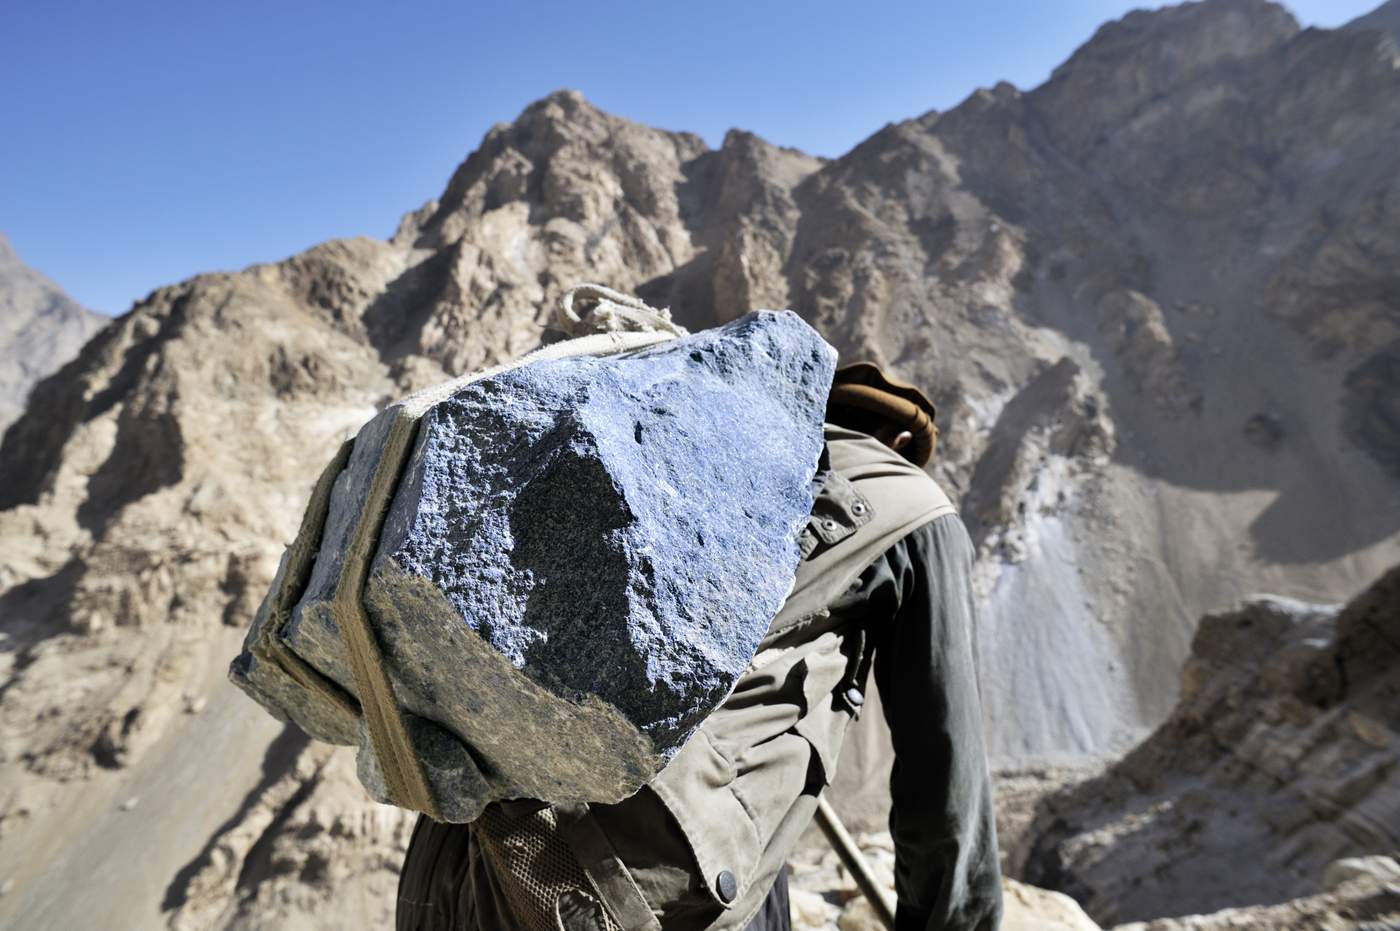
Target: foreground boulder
{"points": [[1282, 756], [824, 896], [579, 558], [1362, 903]]}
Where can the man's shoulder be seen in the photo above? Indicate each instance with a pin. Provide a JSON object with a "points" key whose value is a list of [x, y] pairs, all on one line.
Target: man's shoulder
{"points": [[872, 498], [899, 491]]}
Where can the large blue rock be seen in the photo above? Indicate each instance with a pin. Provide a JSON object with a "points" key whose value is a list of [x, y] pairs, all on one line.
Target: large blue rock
{"points": [[581, 558]]}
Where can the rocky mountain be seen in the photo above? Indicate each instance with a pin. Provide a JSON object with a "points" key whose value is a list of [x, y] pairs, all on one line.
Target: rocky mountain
{"points": [[1385, 17], [1282, 757], [1155, 299], [40, 329]]}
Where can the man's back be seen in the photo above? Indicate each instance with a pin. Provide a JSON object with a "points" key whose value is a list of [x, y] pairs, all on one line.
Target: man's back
{"points": [[882, 581]]}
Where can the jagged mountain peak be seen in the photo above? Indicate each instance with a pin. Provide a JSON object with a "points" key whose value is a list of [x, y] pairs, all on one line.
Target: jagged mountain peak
{"points": [[537, 158], [1385, 18], [1181, 39], [1134, 61]]}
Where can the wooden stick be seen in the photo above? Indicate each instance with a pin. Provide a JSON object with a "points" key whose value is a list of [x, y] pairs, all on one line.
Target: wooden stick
{"points": [[845, 847]]}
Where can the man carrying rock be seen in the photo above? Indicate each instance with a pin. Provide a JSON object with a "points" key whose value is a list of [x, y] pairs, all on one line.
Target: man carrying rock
{"points": [[884, 585]]}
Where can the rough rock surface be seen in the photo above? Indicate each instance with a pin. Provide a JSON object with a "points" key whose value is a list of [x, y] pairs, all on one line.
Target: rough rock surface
{"points": [[1233, 170], [824, 896], [581, 558], [41, 328], [1363, 904], [1384, 870], [1283, 756]]}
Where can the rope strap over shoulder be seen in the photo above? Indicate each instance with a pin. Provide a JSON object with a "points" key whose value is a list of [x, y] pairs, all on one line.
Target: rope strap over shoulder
{"points": [[405, 779]]}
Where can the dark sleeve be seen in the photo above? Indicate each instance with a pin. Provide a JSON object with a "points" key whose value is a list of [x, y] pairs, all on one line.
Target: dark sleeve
{"points": [[947, 876]]}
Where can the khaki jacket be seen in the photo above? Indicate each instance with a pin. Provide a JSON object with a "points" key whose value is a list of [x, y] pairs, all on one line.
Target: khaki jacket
{"points": [[701, 845]]}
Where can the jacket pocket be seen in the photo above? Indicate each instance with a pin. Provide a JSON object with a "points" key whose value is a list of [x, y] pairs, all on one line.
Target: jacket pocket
{"points": [[684, 841], [698, 789]]}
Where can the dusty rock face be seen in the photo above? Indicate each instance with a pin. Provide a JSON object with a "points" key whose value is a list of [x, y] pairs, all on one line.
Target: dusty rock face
{"points": [[41, 328], [824, 896], [1210, 161], [1383, 870], [1283, 756], [1360, 905], [1142, 218], [335, 858]]}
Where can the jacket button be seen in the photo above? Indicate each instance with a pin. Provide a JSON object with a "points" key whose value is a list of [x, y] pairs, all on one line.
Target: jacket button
{"points": [[727, 886], [855, 696]]}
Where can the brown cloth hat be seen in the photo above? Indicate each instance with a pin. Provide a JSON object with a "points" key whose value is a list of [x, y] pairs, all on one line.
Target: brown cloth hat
{"points": [[863, 385]]}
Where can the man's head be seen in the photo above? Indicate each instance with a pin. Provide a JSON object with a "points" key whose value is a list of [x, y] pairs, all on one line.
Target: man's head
{"points": [[896, 413]]}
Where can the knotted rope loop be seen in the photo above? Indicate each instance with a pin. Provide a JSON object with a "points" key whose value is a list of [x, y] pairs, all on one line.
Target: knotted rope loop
{"points": [[607, 311]]}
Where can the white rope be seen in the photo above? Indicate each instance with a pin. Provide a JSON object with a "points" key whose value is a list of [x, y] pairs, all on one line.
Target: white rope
{"points": [[607, 311], [612, 323]]}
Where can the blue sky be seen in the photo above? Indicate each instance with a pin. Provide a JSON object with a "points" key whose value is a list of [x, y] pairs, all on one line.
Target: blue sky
{"points": [[141, 143]]}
